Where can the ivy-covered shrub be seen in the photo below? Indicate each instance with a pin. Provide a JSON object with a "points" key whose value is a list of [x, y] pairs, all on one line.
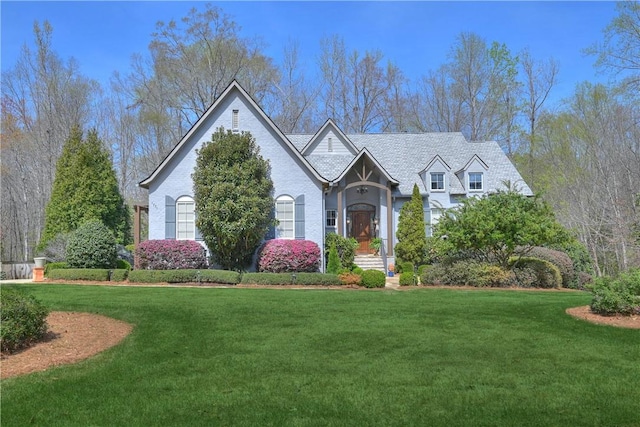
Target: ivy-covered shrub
{"points": [[346, 247], [373, 279], [50, 266], [289, 256], [170, 255], [92, 245], [547, 275], [619, 295], [468, 273], [408, 279], [350, 279], [290, 279], [22, 320], [560, 260], [93, 274], [119, 275]]}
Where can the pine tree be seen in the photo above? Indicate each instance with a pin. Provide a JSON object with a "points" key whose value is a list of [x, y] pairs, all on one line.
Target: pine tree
{"points": [[412, 238], [85, 188], [233, 194]]}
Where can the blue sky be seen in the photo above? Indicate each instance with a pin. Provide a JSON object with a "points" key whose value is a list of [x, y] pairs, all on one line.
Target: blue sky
{"points": [[417, 36]]}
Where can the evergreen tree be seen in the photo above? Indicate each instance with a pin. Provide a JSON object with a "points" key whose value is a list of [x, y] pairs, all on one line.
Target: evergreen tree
{"points": [[85, 188], [412, 238], [233, 194], [334, 266]]}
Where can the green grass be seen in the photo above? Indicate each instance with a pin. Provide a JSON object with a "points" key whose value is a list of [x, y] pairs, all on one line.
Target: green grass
{"points": [[261, 357]]}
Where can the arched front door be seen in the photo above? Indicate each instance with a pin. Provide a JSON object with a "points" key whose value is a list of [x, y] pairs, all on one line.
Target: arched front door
{"points": [[361, 217]]}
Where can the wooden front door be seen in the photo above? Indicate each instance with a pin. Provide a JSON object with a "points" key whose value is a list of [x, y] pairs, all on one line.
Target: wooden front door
{"points": [[362, 230]]}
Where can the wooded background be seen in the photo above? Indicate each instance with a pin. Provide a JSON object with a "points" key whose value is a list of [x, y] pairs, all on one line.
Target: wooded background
{"points": [[582, 155]]}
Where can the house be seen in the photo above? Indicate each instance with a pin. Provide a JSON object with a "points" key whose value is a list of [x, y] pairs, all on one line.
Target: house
{"points": [[330, 182]]}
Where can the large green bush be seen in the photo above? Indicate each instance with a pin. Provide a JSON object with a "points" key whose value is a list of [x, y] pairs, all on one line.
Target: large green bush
{"points": [[560, 260], [619, 295], [412, 238], [547, 274], [468, 273], [373, 279], [346, 247], [22, 320], [92, 245], [408, 278]]}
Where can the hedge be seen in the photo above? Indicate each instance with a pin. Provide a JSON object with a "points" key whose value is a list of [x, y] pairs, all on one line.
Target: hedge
{"points": [[560, 260], [547, 274], [291, 279], [468, 273], [96, 274], [373, 279], [184, 276], [50, 266], [119, 275]]}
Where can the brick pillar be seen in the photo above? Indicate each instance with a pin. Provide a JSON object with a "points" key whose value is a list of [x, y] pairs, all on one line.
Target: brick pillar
{"points": [[38, 274]]}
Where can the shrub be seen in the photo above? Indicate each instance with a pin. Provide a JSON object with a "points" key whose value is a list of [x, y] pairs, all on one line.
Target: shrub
{"points": [[560, 260], [422, 269], [547, 274], [22, 320], [119, 275], [50, 266], [468, 273], [123, 264], [357, 270], [147, 276], [333, 264], [56, 249], [289, 256], [525, 277], [406, 267], [92, 245], [616, 296], [290, 279], [346, 247], [373, 279], [170, 255], [94, 274], [224, 277], [352, 279], [407, 279], [184, 276]]}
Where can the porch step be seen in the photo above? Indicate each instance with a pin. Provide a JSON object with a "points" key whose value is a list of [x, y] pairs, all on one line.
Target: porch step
{"points": [[369, 262]]}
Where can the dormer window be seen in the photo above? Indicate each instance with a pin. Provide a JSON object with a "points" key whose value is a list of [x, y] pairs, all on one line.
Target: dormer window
{"points": [[235, 120], [437, 181], [475, 181]]}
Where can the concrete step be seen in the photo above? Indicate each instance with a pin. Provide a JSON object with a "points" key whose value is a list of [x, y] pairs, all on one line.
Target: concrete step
{"points": [[369, 262]]}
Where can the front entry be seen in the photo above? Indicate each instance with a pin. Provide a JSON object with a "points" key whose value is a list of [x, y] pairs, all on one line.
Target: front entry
{"points": [[361, 230]]}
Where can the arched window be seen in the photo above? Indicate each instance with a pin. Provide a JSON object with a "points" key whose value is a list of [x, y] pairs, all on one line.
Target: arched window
{"points": [[185, 218], [285, 214]]}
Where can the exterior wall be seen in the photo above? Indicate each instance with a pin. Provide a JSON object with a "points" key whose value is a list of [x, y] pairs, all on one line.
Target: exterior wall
{"points": [[290, 176]]}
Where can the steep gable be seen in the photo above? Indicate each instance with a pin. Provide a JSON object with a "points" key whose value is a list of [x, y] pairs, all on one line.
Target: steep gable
{"points": [[329, 140]]}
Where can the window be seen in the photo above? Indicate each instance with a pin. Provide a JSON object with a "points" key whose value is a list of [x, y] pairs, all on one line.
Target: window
{"points": [[437, 181], [330, 144], [185, 219], [331, 218], [475, 181], [235, 120], [285, 216]]}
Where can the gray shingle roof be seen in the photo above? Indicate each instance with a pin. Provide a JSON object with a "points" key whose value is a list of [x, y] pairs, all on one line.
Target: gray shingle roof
{"points": [[405, 155]]}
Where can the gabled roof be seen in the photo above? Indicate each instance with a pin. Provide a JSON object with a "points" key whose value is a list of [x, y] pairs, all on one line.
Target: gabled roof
{"points": [[329, 124], [436, 158], [364, 152], [475, 157], [233, 86]]}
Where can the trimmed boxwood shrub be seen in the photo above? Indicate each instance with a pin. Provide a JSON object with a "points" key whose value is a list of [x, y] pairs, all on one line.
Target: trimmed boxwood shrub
{"points": [[547, 275], [123, 264], [92, 245], [119, 275], [223, 277], [22, 320], [373, 279], [170, 255], [408, 279], [289, 256], [94, 274], [560, 260], [184, 276], [290, 279], [53, 266], [619, 295]]}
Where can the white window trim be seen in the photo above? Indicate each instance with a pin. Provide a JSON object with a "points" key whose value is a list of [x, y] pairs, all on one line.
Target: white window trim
{"points": [[335, 218], [476, 190], [288, 200], [444, 183], [186, 201]]}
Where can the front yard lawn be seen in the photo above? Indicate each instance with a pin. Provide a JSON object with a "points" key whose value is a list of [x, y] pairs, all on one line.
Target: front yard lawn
{"points": [[260, 357]]}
